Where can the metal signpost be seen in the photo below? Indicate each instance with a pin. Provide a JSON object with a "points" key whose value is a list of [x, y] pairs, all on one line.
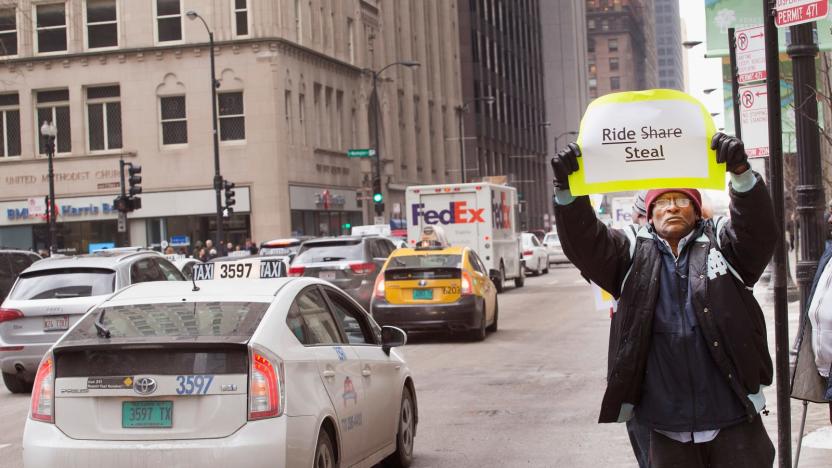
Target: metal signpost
{"points": [[781, 312]]}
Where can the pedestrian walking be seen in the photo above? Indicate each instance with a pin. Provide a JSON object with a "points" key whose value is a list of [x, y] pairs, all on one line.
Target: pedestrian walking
{"points": [[688, 356], [813, 367]]}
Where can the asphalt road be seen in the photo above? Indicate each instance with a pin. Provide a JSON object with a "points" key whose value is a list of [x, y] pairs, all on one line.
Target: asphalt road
{"points": [[528, 396]]}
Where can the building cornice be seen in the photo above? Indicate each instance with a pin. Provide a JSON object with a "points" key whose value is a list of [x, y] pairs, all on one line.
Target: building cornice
{"points": [[142, 53]]}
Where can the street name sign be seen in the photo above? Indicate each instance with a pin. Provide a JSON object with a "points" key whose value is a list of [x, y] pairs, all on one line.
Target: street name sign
{"points": [[361, 153], [751, 54], [637, 140], [754, 120], [792, 12]]}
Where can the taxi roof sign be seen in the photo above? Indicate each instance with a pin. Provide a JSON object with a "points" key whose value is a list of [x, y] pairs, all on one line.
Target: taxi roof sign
{"points": [[255, 268]]}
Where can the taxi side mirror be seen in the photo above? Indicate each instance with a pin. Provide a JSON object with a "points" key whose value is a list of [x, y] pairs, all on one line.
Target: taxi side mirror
{"points": [[392, 337]]}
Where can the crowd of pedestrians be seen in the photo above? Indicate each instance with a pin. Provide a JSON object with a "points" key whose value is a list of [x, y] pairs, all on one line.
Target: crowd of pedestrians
{"points": [[205, 251]]}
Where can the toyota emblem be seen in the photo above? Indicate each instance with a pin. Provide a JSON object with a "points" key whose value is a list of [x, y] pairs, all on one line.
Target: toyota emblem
{"points": [[144, 386], [423, 282]]}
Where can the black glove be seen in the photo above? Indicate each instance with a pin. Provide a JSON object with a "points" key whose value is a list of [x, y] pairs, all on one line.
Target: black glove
{"points": [[565, 163], [731, 151]]}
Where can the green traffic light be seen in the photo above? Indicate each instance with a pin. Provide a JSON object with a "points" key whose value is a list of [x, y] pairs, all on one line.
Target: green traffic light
{"points": [[377, 197], [347, 225]]}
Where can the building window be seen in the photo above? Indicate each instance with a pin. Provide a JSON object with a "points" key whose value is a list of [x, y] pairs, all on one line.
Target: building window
{"points": [[241, 17], [613, 63], [302, 116], [174, 120], [590, 44], [287, 111], [102, 24], [8, 32], [351, 40], [50, 25], [168, 20], [104, 117], [298, 22], [615, 82], [232, 119], [612, 45], [590, 24], [9, 125], [53, 106]]}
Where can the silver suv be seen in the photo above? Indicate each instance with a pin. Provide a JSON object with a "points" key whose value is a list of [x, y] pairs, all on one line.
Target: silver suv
{"points": [[52, 294], [12, 262]]}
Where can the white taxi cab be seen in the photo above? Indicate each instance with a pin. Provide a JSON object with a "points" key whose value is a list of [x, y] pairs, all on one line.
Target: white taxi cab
{"points": [[285, 372]]}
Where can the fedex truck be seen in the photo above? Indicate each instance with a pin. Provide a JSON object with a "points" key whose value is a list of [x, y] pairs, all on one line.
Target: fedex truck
{"points": [[479, 215]]}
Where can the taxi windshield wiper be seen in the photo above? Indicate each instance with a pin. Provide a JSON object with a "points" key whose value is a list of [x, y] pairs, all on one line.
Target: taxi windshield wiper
{"points": [[100, 329]]}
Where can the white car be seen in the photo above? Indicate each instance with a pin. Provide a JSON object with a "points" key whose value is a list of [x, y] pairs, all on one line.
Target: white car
{"points": [[535, 255], [552, 243], [285, 372], [184, 264]]}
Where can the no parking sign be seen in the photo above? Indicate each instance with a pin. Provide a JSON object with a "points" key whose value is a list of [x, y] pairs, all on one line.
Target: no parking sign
{"points": [[754, 120]]}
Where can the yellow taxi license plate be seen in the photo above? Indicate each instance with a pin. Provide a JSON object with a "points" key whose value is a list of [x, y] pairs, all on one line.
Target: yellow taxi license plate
{"points": [[423, 294]]}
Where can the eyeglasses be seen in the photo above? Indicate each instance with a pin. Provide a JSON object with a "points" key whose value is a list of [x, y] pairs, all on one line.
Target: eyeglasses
{"points": [[679, 202]]}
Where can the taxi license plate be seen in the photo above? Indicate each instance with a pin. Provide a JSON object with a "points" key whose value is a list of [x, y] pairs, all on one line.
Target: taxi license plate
{"points": [[328, 275], [423, 294], [56, 323], [146, 414]]}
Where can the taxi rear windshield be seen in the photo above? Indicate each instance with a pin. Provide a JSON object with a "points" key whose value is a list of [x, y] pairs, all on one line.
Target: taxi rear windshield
{"points": [[173, 320], [426, 261]]}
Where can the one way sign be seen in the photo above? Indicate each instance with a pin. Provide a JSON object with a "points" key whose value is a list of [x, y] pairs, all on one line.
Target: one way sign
{"points": [[754, 120]]}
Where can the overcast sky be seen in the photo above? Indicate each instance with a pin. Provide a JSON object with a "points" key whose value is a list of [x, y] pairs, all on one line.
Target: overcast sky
{"points": [[702, 73]]}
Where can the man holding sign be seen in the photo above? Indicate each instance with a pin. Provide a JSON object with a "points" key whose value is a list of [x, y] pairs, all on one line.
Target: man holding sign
{"points": [[688, 356]]}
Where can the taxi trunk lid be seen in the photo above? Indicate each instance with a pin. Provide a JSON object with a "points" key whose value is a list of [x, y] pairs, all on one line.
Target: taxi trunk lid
{"points": [[422, 285], [126, 391]]}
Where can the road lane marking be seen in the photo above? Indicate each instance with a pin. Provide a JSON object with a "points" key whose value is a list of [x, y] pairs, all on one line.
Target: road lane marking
{"points": [[2, 446], [581, 281], [554, 282]]}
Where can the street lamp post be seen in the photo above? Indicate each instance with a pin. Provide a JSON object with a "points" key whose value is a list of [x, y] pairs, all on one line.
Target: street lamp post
{"points": [[462, 110], [49, 133], [218, 241], [377, 110], [568, 132]]}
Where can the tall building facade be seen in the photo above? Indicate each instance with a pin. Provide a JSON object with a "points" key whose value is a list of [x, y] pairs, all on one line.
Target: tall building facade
{"points": [[669, 45], [565, 72], [621, 45], [131, 80], [504, 112]]}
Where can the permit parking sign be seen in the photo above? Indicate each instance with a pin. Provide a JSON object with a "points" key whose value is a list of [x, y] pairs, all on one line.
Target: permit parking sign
{"points": [[240, 269], [793, 12], [751, 54]]}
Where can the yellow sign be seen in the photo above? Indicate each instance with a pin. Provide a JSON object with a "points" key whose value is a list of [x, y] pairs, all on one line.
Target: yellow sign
{"points": [[643, 140]]}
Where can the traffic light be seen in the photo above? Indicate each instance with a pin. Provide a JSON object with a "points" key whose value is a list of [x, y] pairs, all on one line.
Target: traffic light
{"points": [[346, 226], [121, 204], [229, 196], [377, 195], [135, 173]]}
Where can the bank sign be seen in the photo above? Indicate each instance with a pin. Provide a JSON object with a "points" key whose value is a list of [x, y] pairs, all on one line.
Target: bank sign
{"points": [[66, 211]]}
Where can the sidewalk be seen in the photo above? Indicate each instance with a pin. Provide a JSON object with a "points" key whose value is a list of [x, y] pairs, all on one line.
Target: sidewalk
{"points": [[816, 450]]}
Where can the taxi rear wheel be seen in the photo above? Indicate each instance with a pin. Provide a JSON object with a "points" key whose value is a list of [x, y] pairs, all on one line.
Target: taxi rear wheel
{"points": [[493, 326], [403, 456], [16, 384], [324, 452], [479, 333]]}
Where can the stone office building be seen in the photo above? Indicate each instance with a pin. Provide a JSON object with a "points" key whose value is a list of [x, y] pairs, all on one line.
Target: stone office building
{"points": [[131, 79]]}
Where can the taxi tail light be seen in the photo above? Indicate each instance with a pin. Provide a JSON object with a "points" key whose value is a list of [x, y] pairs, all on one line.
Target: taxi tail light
{"points": [[378, 289], [43, 391], [363, 268], [527, 252], [296, 271], [466, 288], [266, 392], [10, 314]]}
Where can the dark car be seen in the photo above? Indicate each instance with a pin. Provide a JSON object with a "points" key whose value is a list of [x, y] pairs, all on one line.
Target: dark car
{"points": [[349, 262], [12, 262]]}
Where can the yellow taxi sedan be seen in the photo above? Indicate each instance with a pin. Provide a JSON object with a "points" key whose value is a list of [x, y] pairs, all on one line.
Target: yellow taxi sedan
{"points": [[436, 289]]}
